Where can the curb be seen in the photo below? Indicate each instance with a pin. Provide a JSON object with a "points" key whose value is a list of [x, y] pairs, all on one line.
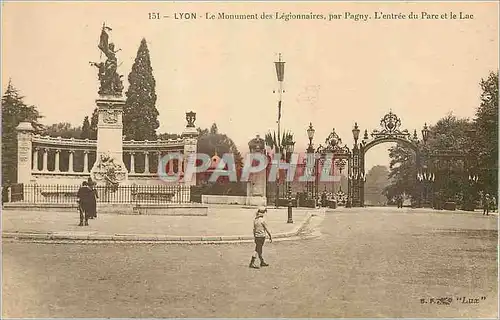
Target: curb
{"points": [[65, 237]]}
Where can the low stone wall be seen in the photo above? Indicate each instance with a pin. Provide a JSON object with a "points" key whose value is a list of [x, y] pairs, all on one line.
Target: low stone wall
{"points": [[241, 200], [106, 208]]}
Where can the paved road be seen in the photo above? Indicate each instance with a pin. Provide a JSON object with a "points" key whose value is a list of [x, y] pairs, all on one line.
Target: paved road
{"points": [[221, 221], [367, 263]]}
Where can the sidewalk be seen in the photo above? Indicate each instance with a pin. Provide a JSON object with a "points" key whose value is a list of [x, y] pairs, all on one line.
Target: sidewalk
{"points": [[223, 223]]}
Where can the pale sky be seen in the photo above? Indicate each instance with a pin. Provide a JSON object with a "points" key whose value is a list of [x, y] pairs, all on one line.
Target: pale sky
{"points": [[336, 73]]}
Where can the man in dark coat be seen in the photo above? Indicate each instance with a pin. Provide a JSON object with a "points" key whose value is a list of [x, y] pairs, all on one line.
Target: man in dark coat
{"points": [[84, 197]]}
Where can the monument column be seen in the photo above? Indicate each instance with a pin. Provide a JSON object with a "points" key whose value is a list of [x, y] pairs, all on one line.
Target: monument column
{"points": [[56, 161], [85, 161], [146, 162], [109, 167], [35, 160], [132, 162], [45, 160], [70, 161], [24, 152]]}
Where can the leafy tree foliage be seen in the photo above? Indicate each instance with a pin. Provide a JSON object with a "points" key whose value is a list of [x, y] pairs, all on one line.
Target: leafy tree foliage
{"points": [[377, 179], [486, 139], [211, 142], [140, 116], [477, 140], [167, 136], [14, 110], [402, 172], [63, 130], [93, 124], [448, 135]]}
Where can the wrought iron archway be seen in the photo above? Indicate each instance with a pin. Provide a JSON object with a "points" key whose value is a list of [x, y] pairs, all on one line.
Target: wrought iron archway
{"points": [[390, 131]]}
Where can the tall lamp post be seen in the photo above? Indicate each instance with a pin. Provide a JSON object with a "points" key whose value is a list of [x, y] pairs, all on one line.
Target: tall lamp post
{"points": [[353, 192], [280, 74], [289, 147], [310, 153]]}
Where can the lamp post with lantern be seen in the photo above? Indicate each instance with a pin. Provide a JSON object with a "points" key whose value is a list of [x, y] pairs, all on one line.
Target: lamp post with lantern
{"points": [[354, 174], [288, 147], [280, 74], [311, 155]]}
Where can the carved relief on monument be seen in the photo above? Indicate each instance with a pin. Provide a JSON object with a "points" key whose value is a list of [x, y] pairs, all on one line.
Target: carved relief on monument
{"points": [[110, 116], [23, 149]]}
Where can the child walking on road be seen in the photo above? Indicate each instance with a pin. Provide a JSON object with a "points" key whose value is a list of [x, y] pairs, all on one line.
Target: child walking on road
{"points": [[259, 232]]}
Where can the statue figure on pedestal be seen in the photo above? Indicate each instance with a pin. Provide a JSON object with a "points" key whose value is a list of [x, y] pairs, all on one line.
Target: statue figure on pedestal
{"points": [[111, 82]]}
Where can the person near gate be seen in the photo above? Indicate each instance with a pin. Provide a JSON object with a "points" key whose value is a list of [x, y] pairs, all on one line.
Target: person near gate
{"points": [[486, 204], [259, 232]]}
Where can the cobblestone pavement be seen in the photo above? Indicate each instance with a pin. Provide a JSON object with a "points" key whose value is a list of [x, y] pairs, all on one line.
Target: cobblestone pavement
{"points": [[367, 263], [221, 221]]}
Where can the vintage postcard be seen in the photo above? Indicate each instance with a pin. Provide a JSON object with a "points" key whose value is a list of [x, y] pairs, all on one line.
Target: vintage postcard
{"points": [[239, 159]]}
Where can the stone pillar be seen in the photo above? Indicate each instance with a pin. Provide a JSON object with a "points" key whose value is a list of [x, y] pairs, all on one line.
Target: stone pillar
{"points": [[109, 139], [86, 161], [146, 162], [256, 186], [190, 136], [158, 162], [56, 162], [132, 162], [24, 152], [35, 160], [45, 160], [70, 161]]}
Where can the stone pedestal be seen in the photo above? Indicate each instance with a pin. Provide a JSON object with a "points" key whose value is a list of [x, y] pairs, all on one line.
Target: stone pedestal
{"points": [[109, 161], [24, 152], [256, 186], [190, 136]]}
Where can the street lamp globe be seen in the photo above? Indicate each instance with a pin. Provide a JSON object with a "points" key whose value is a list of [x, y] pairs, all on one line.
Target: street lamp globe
{"points": [[425, 132], [310, 131], [355, 132]]}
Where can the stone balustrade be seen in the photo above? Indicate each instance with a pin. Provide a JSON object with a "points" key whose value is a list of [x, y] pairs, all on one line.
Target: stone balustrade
{"points": [[59, 159]]}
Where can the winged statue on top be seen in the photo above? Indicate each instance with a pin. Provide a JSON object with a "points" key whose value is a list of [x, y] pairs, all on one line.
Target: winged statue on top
{"points": [[110, 80]]}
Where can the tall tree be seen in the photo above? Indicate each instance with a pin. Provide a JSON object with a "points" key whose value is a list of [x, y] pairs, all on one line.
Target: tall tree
{"points": [[85, 128], [93, 124], [14, 110], [449, 134], [211, 142], [377, 179], [140, 116], [402, 172], [486, 139]]}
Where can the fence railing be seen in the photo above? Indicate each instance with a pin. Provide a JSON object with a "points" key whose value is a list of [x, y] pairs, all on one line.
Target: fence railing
{"points": [[126, 194]]}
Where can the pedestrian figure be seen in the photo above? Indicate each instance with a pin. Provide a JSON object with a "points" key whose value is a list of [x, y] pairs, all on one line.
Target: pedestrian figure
{"points": [[93, 199], [259, 232], [83, 195], [486, 204], [400, 201]]}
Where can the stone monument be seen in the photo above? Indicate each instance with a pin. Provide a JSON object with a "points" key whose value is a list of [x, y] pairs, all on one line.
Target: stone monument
{"points": [[109, 167]]}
